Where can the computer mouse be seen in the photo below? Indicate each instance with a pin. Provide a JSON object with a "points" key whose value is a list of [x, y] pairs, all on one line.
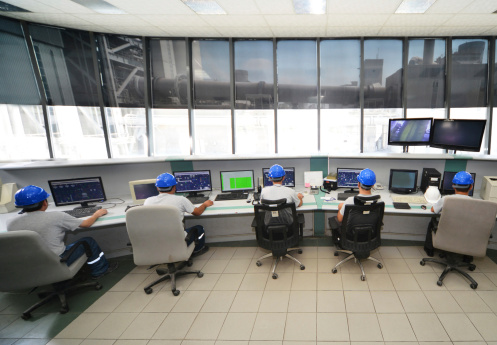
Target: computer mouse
{"points": [[423, 207], [248, 201]]}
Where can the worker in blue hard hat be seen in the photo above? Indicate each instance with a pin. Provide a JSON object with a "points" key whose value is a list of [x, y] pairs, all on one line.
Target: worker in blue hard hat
{"points": [[166, 185], [365, 181], [277, 191], [462, 182], [52, 227]]}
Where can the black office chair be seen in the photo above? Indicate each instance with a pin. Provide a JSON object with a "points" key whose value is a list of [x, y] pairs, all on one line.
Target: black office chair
{"points": [[277, 229], [360, 231]]}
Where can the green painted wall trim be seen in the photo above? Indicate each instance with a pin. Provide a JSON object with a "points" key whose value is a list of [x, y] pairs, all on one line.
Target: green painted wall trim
{"points": [[455, 165], [320, 163], [181, 165], [319, 223]]}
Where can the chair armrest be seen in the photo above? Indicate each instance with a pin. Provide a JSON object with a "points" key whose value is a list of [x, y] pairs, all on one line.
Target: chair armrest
{"points": [[74, 247], [192, 234]]}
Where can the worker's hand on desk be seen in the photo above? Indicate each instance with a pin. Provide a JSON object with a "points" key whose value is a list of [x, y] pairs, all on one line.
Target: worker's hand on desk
{"points": [[300, 196], [100, 213], [208, 203]]}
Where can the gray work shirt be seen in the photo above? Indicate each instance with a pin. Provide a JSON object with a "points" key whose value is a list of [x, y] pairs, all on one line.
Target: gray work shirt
{"points": [[182, 203]]}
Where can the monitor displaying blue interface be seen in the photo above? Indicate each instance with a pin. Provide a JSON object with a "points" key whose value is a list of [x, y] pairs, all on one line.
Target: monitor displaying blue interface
{"points": [[463, 135], [409, 132], [289, 180], [77, 191], [403, 181], [347, 177], [237, 181], [447, 188], [193, 182]]}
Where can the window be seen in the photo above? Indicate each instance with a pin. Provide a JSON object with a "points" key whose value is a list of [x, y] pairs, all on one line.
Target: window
{"points": [[127, 132], [171, 132]]}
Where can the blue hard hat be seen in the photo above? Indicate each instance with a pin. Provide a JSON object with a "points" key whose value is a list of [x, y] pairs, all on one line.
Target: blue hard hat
{"points": [[462, 178], [276, 171], [165, 180], [367, 177], [30, 195]]}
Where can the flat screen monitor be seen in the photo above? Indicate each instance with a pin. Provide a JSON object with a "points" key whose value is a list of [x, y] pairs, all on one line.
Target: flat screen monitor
{"points": [[403, 181], [237, 181], [447, 183], [409, 132], [77, 191], [142, 189], [289, 180], [462, 135], [347, 177], [193, 182]]}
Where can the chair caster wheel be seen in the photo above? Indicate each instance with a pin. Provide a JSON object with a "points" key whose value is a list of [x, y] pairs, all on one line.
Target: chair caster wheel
{"points": [[299, 251], [422, 263], [26, 316], [98, 287], [302, 267], [148, 291], [200, 274], [63, 310], [473, 286], [471, 267], [275, 276], [334, 270], [258, 263], [363, 278], [189, 263], [439, 283], [336, 253], [176, 292], [379, 266]]}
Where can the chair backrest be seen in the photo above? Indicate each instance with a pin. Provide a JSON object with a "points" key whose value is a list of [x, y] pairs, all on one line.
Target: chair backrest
{"points": [[277, 227], [27, 262], [157, 235], [361, 225], [465, 225]]}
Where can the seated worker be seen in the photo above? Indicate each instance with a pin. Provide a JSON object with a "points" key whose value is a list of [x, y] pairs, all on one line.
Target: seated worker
{"points": [[52, 227], [462, 184], [166, 185], [366, 180]]}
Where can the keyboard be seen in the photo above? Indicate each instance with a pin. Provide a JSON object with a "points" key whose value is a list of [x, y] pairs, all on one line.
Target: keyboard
{"points": [[197, 199], [401, 205], [82, 212], [231, 196], [345, 196], [410, 199]]}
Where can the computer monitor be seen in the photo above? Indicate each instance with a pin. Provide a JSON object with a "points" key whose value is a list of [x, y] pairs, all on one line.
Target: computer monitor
{"points": [[347, 178], [237, 181], [409, 132], [289, 180], [462, 135], [142, 189], [77, 191], [447, 183], [193, 182], [403, 181]]}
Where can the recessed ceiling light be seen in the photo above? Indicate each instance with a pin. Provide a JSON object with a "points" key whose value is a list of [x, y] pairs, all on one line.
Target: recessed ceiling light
{"points": [[5, 7], [414, 6], [309, 6], [100, 6], [204, 6]]}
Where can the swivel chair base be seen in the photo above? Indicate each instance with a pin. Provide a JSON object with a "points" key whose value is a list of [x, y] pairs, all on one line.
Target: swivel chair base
{"points": [[172, 272], [452, 265], [277, 258], [358, 261]]}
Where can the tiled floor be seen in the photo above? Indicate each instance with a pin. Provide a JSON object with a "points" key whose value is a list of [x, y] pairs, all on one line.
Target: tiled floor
{"points": [[238, 303]]}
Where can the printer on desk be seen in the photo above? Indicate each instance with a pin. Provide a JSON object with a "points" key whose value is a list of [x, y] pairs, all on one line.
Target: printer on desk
{"points": [[489, 188]]}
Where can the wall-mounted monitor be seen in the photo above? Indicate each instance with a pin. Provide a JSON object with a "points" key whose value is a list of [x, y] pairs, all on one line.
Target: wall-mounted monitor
{"points": [[289, 180], [347, 177], [77, 191], [237, 181], [142, 189], [409, 132], [462, 135], [193, 182], [403, 181], [447, 188]]}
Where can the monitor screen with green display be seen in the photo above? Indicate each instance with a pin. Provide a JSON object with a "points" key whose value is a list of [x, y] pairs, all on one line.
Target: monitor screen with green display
{"points": [[237, 181]]}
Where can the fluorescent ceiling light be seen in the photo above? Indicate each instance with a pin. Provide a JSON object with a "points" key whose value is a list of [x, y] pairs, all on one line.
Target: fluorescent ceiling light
{"points": [[309, 6], [5, 7], [100, 6], [414, 6], [204, 6]]}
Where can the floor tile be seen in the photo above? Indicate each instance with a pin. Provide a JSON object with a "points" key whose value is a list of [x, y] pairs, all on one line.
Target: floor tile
{"points": [[427, 327], [309, 253], [206, 283], [358, 302], [190, 301], [254, 281], [136, 301], [82, 326], [387, 302], [459, 327], [175, 326], [269, 326], [330, 302], [414, 302], [396, 327], [302, 302], [354, 282], [304, 281], [237, 266], [411, 253], [218, 302], [404, 282], [442, 302], [339, 331], [223, 253], [396, 265], [311, 265], [162, 301], [230, 281], [215, 266], [490, 298], [206, 326], [329, 281], [246, 302], [274, 302], [364, 327], [108, 302], [144, 326], [131, 281], [284, 282], [300, 326], [244, 253], [470, 302], [379, 282], [388, 252], [415, 267], [428, 281], [113, 326], [237, 326], [485, 324]]}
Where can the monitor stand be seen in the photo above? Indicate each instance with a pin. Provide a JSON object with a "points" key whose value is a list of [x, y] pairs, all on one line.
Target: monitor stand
{"points": [[351, 191], [85, 205], [194, 194]]}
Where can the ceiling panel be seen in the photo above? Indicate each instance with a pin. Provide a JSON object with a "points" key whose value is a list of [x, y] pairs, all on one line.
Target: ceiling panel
{"points": [[205, 31], [239, 7], [448, 6], [357, 20], [234, 20], [34, 6], [115, 19], [461, 31], [472, 20], [301, 31], [481, 6], [53, 19], [296, 20], [66, 6], [175, 21], [152, 6], [358, 31], [400, 20], [362, 6], [275, 6], [246, 32]]}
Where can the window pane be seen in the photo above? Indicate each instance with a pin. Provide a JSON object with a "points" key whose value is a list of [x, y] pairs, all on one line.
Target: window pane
{"points": [[254, 131], [121, 65], [18, 84], [376, 130], [382, 73], [171, 132], [438, 113], [297, 74], [254, 75], [340, 131], [169, 73], [426, 73], [340, 69], [473, 113], [297, 131], [77, 132], [212, 131], [469, 73], [127, 132], [211, 74], [22, 132], [65, 61]]}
